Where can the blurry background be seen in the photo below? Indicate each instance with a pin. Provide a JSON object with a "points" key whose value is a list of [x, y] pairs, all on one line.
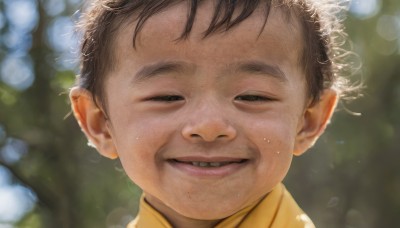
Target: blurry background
{"points": [[49, 177]]}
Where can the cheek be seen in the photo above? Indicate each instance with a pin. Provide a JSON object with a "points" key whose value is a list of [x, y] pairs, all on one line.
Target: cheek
{"points": [[273, 131], [139, 145], [139, 158], [274, 139]]}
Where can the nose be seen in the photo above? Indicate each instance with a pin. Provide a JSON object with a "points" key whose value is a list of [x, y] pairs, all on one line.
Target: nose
{"points": [[207, 124]]}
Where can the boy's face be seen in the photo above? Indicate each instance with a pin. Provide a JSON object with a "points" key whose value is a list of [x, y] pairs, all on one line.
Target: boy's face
{"points": [[234, 102]]}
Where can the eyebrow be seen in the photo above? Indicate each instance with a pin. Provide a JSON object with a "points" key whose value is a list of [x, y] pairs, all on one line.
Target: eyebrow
{"points": [[159, 68], [258, 67], [164, 67]]}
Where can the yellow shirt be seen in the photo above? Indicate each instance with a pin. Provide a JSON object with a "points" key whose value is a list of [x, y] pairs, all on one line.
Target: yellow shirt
{"points": [[277, 210]]}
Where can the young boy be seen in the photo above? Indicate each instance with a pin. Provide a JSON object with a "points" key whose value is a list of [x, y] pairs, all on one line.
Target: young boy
{"points": [[206, 102]]}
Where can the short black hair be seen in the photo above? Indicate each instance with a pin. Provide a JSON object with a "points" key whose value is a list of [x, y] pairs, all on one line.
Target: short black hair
{"points": [[321, 29]]}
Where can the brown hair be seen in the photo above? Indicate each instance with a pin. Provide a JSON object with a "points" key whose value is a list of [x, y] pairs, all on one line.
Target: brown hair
{"points": [[322, 33]]}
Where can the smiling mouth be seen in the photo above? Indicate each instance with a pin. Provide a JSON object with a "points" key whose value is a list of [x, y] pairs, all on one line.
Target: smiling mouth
{"points": [[204, 164]]}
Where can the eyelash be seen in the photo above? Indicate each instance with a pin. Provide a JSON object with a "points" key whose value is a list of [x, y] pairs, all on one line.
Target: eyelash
{"points": [[253, 98], [167, 98], [244, 98]]}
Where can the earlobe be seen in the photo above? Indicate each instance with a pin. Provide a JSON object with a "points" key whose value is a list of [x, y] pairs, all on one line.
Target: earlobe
{"points": [[314, 121], [92, 121]]}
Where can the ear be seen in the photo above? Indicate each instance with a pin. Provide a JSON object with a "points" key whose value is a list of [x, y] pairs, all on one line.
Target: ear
{"points": [[314, 121], [92, 121]]}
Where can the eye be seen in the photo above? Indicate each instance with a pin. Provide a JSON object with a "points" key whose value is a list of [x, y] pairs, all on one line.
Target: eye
{"points": [[253, 98], [166, 98]]}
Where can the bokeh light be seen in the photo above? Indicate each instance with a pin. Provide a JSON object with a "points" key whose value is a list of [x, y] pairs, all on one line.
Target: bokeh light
{"points": [[61, 34], [2, 20], [22, 14], [5, 176], [388, 27], [54, 7], [74, 2], [16, 201], [13, 150], [17, 42], [17, 72], [364, 9], [63, 40]]}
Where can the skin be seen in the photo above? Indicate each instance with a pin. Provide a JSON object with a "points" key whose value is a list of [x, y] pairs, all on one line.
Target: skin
{"points": [[237, 97]]}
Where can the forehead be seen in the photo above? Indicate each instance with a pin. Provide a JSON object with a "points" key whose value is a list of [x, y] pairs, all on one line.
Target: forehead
{"points": [[161, 32]]}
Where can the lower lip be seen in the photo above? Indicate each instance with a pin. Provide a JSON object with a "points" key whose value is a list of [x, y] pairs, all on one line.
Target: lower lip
{"points": [[219, 172]]}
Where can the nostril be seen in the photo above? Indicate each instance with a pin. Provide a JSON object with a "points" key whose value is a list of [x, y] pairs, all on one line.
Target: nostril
{"points": [[208, 131], [208, 137]]}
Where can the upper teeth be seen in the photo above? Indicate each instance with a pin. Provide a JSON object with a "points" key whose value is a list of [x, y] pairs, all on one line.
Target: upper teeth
{"points": [[209, 164]]}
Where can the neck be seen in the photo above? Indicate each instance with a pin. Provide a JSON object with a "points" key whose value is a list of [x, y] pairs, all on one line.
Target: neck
{"points": [[187, 222], [177, 220]]}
